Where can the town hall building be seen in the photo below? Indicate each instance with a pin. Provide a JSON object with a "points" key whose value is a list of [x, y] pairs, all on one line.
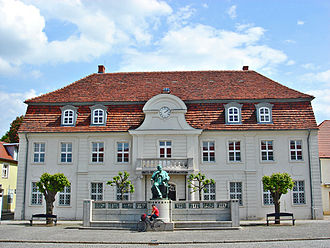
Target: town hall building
{"points": [[233, 126]]}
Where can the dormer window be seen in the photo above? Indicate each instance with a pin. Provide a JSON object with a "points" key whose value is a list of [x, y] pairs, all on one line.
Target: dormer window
{"points": [[233, 113], [264, 112], [69, 115], [99, 115]]}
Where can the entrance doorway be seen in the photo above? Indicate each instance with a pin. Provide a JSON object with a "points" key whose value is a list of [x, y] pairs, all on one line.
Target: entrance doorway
{"points": [[172, 191]]}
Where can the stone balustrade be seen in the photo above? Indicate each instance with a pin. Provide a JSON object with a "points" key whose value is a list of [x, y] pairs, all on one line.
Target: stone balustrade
{"points": [[168, 164]]}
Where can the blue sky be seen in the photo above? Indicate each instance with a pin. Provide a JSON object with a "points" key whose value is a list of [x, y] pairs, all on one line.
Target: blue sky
{"points": [[45, 45]]}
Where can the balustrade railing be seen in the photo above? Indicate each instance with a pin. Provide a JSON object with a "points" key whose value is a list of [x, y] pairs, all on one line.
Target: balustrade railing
{"points": [[168, 164]]}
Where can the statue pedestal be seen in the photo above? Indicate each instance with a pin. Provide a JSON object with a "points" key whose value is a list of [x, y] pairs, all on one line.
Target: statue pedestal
{"points": [[164, 207]]}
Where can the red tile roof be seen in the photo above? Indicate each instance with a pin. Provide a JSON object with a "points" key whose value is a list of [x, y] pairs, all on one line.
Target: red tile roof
{"points": [[324, 139], [187, 85], [4, 153], [207, 116]]}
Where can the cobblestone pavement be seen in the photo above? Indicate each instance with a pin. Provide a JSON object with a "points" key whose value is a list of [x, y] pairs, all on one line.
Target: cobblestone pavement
{"points": [[252, 234]]}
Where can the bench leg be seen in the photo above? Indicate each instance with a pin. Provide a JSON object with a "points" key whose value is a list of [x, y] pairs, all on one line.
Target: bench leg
{"points": [[31, 222], [267, 222]]}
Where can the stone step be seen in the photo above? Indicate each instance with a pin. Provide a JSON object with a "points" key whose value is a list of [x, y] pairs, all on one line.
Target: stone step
{"points": [[201, 224]]}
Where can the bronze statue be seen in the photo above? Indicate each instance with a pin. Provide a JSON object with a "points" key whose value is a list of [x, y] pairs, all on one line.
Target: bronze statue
{"points": [[160, 186]]}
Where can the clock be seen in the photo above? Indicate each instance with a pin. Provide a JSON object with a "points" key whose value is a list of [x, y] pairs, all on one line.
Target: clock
{"points": [[165, 112]]}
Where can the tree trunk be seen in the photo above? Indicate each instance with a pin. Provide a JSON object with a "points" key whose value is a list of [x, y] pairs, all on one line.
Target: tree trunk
{"points": [[277, 205], [49, 207]]}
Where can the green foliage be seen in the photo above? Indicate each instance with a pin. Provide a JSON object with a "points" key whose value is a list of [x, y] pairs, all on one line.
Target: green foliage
{"points": [[122, 183], [278, 183], [52, 183], [198, 182], [12, 136]]}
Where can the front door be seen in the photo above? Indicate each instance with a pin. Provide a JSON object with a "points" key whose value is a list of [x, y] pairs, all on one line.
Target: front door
{"points": [[172, 192]]}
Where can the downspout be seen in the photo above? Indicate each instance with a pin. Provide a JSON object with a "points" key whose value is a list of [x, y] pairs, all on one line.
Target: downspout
{"points": [[25, 175], [310, 174]]}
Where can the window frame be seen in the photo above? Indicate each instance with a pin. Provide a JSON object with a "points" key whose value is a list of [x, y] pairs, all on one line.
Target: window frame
{"points": [[234, 151], [208, 151], [66, 152], [123, 152], [5, 170], [165, 147], [209, 192], [267, 151], [97, 189], [296, 150], [39, 195], [97, 152], [95, 108], [259, 115], [64, 193], [126, 195], [228, 107], [39, 152], [236, 193], [65, 109], [298, 192], [270, 201]]}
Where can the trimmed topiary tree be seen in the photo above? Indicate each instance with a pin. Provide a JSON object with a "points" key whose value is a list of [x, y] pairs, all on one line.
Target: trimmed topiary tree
{"points": [[49, 185], [278, 184], [122, 183], [198, 182]]}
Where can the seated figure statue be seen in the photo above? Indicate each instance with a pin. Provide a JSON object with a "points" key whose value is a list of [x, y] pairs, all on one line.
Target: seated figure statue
{"points": [[160, 186]]}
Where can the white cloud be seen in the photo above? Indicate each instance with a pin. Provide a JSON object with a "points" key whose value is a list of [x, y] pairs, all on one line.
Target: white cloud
{"points": [[232, 12], [101, 27], [321, 104], [291, 62], [204, 5], [204, 47], [11, 106], [323, 77], [180, 18], [290, 41], [299, 22], [310, 66]]}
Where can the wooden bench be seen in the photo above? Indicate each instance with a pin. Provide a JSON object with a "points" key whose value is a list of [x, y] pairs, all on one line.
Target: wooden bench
{"points": [[44, 216], [287, 216]]}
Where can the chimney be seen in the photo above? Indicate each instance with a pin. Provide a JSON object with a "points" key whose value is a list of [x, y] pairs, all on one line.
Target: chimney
{"points": [[245, 68], [101, 69]]}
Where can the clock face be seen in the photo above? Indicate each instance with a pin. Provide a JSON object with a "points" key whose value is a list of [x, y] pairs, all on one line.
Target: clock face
{"points": [[164, 112]]}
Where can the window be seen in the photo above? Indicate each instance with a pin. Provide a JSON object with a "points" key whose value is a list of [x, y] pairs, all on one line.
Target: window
{"points": [[125, 195], [234, 151], [66, 152], [65, 196], [122, 152], [264, 112], [236, 191], [97, 152], [267, 196], [267, 152], [296, 150], [69, 115], [5, 170], [68, 118], [209, 193], [99, 115], [97, 191], [165, 149], [233, 113], [208, 151], [36, 195], [39, 153], [299, 192]]}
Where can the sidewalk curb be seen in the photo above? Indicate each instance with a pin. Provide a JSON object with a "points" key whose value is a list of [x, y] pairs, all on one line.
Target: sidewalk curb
{"points": [[160, 242]]}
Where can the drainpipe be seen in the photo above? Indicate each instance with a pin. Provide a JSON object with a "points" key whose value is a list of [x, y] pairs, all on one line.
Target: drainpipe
{"points": [[25, 175], [310, 174]]}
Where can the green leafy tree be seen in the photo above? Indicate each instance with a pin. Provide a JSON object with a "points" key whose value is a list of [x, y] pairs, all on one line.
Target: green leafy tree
{"points": [[49, 185], [12, 136], [198, 182], [278, 184], [122, 183]]}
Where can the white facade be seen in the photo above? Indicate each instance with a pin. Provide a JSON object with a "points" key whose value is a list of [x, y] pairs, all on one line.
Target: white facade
{"points": [[325, 172], [186, 157]]}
